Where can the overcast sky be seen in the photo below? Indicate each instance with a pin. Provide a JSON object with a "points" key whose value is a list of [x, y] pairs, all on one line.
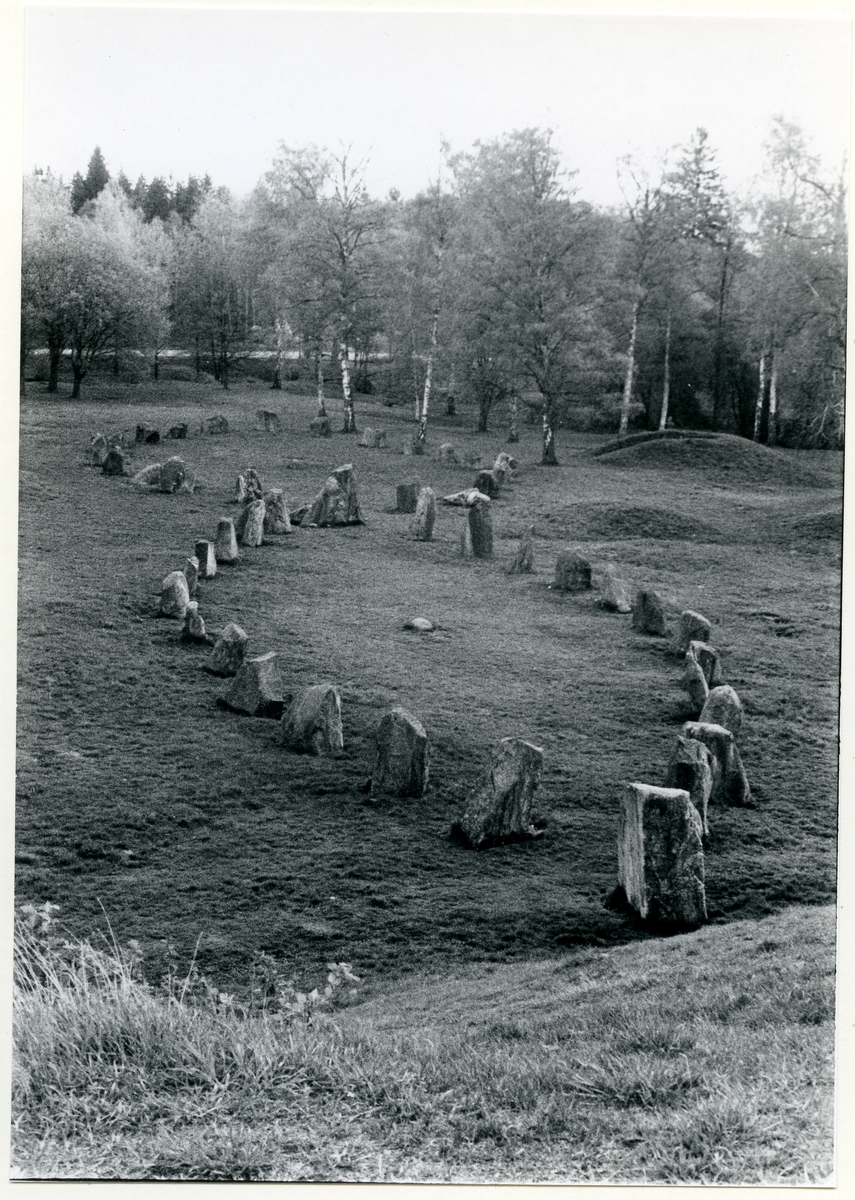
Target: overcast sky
{"points": [[180, 91]]}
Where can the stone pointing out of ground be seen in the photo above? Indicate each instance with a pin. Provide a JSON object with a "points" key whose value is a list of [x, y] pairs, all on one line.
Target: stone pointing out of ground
{"points": [[447, 453], [97, 450], [229, 651], [256, 688], [695, 683], [420, 624], [425, 517], [730, 783], [248, 487], [148, 477], [174, 595], [481, 529], [401, 759], [723, 707], [615, 592], [172, 475], [177, 432], [145, 434], [407, 495], [114, 462], [194, 626], [225, 546], [276, 519], [691, 768], [572, 572], [249, 526], [523, 563], [648, 614], [692, 628], [707, 658], [268, 421], [216, 425], [312, 724], [489, 483], [661, 855], [320, 427], [336, 503], [191, 571], [375, 439], [505, 460], [499, 808], [207, 559]]}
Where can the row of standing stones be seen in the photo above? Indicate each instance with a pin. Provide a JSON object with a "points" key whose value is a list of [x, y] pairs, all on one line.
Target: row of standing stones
{"points": [[662, 829]]}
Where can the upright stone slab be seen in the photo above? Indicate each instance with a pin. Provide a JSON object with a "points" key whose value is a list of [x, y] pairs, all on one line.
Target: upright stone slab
{"points": [[178, 432], [691, 769], [148, 477], [225, 546], [276, 519], [572, 572], [730, 783], [191, 572], [489, 483], [336, 503], [215, 425], [174, 595], [695, 683], [374, 439], [194, 626], [240, 490], [425, 517], [661, 855], [172, 475], [249, 526], [447, 453], [692, 628], [648, 614], [97, 450], [615, 594], [464, 545], [723, 707], [523, 563], [207, 559], [506, 460], [114, 462], [320, 427], [500, 805], [481, 529], [407, 495], [707, 658], [147, 435], [256, 688], [229, 651], [268, 421], [401, 759], [312, 724]]}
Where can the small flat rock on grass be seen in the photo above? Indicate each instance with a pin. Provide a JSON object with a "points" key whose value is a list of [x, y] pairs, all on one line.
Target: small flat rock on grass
{"points": [[661, 855], [174, 595], [256, 688], [499, 808], [312, 723], [401, 764], [229, 651], [419, 624]]}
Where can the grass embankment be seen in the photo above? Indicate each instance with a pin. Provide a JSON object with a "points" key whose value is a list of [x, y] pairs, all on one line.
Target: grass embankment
{"points": [[702, 1058]]}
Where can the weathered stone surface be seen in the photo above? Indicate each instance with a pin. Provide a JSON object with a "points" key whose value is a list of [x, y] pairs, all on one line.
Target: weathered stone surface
{"points": [[148, 477], [695, 683], [177, 432], [523, 562], [312, 724], [505, 460], [174, 595], [407, 495], [707, 658], [240, 490], [207, 559], [97, 450], [661, 855], [572, 572], [248, 487], [256, 688], [691, 768], [420, 624], [145, 433], [172, 475], [320, 427], [648, 614], [414, 446], [191, 573], [465, 542], [336, 503], [500, 806], [447, 453], [723, 707], [194, 626], [375, 439], [216, 424], [730, 783], [692, 628], [114, 462], [229, 651], [225, 545], [249, 527], [268, 421], [276, 519], [615, 594], [481, 529], [401, 761], [298, 515], [489, 483], [425, 517], [465, 499]]}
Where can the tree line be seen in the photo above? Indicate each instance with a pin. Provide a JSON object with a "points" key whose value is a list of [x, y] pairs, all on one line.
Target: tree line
{"points": [[497, 286]]}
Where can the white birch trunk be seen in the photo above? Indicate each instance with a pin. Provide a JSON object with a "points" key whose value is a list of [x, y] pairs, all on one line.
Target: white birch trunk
{"points": [[423, 416], [772, 435], [666, 385], [758, 410], [513, 432], [277, 370], [319, 363], [347, 392], [630, 372]]}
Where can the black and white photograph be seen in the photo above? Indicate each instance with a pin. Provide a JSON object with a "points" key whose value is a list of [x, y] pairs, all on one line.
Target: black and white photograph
{"points": [[429, 447]]}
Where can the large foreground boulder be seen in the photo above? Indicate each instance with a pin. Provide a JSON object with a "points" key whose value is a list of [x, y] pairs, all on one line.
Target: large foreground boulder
{"points": [[336, 503], [207, 558], [730, 783], [692, 628], [229, 651], [312, 723], [276, 519], [500, 806], [523, 562], [225, 545], [174, 595], [661, 855], [723, 707], [401, 759], [572, 572], [648, 614], [425, 517], [691, 769], [256, 688], [407, 495]]}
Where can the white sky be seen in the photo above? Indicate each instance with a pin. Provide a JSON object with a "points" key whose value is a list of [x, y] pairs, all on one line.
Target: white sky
{"points": [[178, 91]]}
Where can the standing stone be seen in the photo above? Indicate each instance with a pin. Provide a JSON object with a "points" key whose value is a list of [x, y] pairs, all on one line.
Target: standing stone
{"points": [[312, 724], [148, 477], [447, 453], [250, 524], [648, 614], [465, 543], [481, 529], [523, 563], [256, 688], [691, 769], [276, 519], [401, 761], [723, 707], [174, 595], [147, 435], [407, 494], [375, 439], [172, 475], [489, 483], [695, 683], [320, 427], [572, 572], [97, 450], [207, 559], [425, 518], [177, 432], [693, 628], [506, 460], [499, 806], [730, 783], [240, 490], [661, 855], [615, 597], [225, 546], [215, 425], [336, 503], [191, 573], [229, 651], [194, 626], [114, 462], [707, 658], [268, 421]]}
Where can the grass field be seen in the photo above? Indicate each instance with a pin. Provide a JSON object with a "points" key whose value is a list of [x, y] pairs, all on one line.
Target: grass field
{"points": [[143, 802]]}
